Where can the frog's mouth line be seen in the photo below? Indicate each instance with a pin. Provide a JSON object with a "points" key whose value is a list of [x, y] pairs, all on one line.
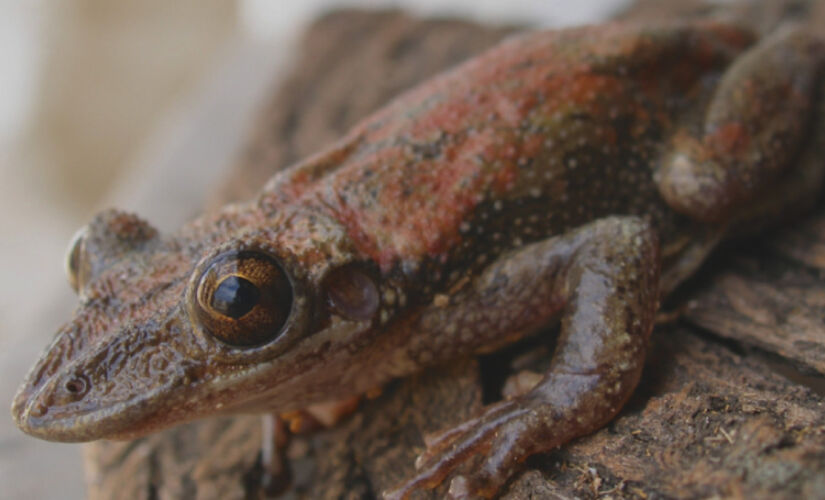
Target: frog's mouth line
{"points": [[74, 423], [173, 402]]}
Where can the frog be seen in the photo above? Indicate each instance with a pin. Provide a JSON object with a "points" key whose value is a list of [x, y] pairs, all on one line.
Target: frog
{"points": [[567, 178]]}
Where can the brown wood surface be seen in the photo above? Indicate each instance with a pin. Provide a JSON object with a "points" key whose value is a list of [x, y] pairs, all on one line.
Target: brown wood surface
{"points": [[730, 404]]}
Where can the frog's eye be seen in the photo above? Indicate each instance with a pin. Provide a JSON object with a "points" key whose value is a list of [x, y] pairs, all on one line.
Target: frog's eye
{"points": [[243, 298]]}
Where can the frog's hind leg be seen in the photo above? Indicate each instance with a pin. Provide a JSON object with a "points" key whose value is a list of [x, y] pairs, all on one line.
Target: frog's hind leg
{"points": [[753, 130], [602, 281]]}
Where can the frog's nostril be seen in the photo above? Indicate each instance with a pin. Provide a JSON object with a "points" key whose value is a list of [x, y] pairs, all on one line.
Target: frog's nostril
{"points": [[77, 386]]}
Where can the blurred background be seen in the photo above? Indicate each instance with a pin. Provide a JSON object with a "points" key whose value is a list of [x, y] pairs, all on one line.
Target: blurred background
{"points": [[138, 104]]}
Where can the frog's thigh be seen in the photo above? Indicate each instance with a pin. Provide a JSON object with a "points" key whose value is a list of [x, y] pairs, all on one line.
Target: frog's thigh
{"points": [[754, 127], [602, 279]]}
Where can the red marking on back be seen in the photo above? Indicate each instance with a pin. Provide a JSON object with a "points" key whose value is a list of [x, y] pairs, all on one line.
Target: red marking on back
{"points": [[423, 164]]}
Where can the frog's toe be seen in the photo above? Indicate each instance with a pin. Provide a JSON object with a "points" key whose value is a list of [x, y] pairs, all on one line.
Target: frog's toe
{"points": [[481, 452]]}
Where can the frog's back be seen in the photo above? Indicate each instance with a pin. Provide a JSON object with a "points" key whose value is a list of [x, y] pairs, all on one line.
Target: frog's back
{"points": [[541, 134]]}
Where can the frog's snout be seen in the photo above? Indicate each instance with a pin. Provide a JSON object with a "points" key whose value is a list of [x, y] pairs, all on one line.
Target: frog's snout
{"points": [[27, 410], [37, 410]]}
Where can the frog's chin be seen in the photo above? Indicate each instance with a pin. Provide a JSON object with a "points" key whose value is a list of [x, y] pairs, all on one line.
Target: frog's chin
{"points": [[67, 429], [70, 429], [110, 425]]}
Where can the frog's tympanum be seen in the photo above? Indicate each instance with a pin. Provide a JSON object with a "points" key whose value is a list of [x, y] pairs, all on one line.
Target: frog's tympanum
{"points": [[571, 177]]}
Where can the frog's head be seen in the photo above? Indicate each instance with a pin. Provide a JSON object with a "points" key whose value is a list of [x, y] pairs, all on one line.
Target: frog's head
{"points": [[230, 314]]}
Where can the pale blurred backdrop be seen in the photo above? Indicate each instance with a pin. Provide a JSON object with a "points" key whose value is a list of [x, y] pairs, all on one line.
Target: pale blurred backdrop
{"points": [[138, 104]]}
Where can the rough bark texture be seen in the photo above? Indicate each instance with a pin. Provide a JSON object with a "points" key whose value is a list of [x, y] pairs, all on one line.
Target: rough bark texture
{"points": [[712, 416]]}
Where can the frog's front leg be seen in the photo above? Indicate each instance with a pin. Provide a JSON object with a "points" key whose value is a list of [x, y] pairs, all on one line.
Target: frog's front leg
{"points": [[601, 280], [752, 132]]}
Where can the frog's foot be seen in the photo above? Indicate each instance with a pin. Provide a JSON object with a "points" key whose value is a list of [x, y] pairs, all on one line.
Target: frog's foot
{"points": [[464, 444], [483, 453], [604, 285]]}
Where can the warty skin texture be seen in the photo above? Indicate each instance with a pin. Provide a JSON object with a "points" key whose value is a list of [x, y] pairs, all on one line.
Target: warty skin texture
{"points": [[572, 176]]}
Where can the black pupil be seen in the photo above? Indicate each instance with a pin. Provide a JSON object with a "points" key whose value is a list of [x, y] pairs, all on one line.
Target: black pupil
{"points": [[235, 297]]}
